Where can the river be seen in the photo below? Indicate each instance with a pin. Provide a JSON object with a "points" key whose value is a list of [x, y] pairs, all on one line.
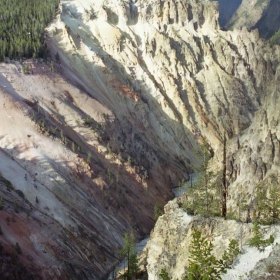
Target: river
{"points": [[177, 192]]}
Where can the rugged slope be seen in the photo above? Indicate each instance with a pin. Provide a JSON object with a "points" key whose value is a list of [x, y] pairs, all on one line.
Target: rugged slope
{"points": [[104, 138], [168, 247]]}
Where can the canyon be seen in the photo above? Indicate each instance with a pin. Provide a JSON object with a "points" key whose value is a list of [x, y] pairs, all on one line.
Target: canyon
{"points": [[92, 139]]}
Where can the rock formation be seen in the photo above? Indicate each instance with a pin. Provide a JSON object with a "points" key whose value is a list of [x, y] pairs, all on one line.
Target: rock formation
{"points": [[170, 240], [138, 85]]}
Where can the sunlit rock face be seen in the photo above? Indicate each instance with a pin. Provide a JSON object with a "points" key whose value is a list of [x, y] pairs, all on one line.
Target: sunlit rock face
{"points": [[137, 86]]}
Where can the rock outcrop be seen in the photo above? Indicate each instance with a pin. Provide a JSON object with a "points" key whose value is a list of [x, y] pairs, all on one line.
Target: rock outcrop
{"points": [[170, 240]]}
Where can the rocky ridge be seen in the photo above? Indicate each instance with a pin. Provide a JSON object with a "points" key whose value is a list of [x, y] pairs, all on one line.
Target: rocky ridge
{"points": [[168, 247]]}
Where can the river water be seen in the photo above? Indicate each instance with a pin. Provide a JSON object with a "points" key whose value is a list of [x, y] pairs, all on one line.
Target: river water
{"points": [[194, 177], [177, 192]]}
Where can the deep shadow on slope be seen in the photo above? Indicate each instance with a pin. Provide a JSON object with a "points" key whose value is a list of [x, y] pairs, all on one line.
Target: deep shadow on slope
{"points": [[270, 20], [227, 9]]}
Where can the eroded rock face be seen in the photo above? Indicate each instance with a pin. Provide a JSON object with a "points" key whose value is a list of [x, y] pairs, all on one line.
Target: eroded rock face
{"points": [[138, 85], [168, 247], [171, 238]]}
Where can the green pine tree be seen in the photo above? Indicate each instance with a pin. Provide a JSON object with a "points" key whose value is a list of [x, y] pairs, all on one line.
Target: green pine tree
{"points": [[205, 195], [231, 253], [267, 201], [258, 238], [202, 264], [1, 202], [17, 248], [128, 252]]}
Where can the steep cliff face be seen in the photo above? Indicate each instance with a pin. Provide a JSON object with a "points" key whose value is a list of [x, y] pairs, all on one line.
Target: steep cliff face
{"points": [[137, 85], [171, 57]]}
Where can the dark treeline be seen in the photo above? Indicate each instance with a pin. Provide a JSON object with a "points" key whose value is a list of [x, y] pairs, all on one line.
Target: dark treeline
{"points": [[22, 24]]}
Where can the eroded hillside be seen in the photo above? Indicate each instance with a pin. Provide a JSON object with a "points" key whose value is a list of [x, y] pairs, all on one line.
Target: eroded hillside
{"points": [[99, 136]]}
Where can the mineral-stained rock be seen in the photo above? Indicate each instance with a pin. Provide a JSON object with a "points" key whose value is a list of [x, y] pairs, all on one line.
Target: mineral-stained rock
{"points": [[136, 90]]}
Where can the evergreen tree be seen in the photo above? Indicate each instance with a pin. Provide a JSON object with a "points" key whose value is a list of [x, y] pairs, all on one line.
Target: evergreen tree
{"points": [[199, 194], [16, 207], [17, 248], [128, 252], [22, 25], [1, 202], [224, 181], [231, 253], [258, 238], [202, 264], [267, 201]]}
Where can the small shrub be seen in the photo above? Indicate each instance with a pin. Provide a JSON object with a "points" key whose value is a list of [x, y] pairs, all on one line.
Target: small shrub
{"points": [[1, 202], [20, 193], [164, 275], [88, 121], [269, 268], [16, 207], [158, 211], [17, 248]]}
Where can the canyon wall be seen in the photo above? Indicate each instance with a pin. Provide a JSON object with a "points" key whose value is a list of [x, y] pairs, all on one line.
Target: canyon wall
{"points": [[102, 133]]}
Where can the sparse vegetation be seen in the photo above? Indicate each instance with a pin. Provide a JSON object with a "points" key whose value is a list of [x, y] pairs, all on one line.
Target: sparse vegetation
{"points": [[17, 248], [12, 268], [88, 160], [164, 275], [16, 207], [91, 14], [158, 210], [20, 193], [1, 203], [87, 122], [275, 39]]}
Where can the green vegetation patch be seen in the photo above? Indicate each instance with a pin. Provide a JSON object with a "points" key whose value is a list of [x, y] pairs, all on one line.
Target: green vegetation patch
{"points": [[275, 39], [22, 24]]}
